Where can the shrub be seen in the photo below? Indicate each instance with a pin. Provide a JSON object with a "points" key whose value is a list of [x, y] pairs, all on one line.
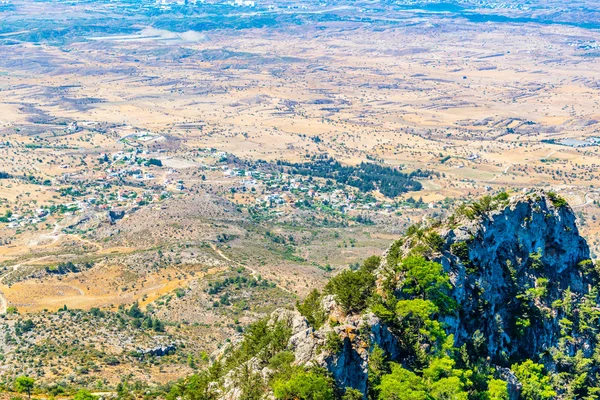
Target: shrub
{"points": [[435, 241], [194, 387], [261, 340], [383, 312], [461, 250], [12, 310], [352, 394], [556, 200], [371, 264], [394, 253], [84, 395], [333, 343], [535, 260]]}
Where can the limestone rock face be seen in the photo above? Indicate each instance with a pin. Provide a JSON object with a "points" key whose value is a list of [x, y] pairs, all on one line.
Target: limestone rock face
{"points": [[359, 333], [507, 268], [528, 244]]}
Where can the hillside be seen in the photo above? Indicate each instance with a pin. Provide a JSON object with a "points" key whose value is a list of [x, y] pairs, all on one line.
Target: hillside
{"points": [[499, 301]]}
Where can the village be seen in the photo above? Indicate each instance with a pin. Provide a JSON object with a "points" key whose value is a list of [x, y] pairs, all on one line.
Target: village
{"points": [[134, 179]]}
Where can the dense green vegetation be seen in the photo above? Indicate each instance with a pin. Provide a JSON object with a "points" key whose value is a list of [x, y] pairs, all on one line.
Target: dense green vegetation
{"points": [[432, 367], [367, 177], [413, 298]]}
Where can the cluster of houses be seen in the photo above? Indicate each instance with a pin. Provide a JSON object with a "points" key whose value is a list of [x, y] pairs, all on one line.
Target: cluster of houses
{"points": [[278, 190], [102, 192], [127, 182]]}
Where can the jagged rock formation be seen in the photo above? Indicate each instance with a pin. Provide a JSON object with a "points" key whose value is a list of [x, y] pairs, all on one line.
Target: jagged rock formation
{"points": [[510, 251], [158, 351], [521, 286]]}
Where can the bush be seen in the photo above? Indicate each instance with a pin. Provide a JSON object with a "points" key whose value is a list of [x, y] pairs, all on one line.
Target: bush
{"points": [[262, 341], [333, 343], [194, 387], [556, 200], [394, 253], [84, 395], [435, 241], [11, 310], [461, 250], [352, 394], [371, 264]]}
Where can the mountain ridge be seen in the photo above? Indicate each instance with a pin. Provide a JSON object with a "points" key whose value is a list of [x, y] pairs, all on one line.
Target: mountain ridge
{"points": [[496, 302]]}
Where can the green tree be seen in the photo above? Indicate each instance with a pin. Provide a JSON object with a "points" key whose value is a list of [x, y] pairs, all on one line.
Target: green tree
{"points": [[451, 388], [416, 308], [427, 280], [402, 384], [444, 381], [24, 384], [352, 289], [536, 384], [135, 311], [158, 326], [84, 395], [498, 390], [378, 366], [195, 387], [371, 264], [333, 343], [311, 309], [191, 362], [309, 385], [352, 394]]}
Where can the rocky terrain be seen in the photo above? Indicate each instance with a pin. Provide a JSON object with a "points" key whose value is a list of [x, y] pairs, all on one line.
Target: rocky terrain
{"points": [[498, 301], [172, 172]]}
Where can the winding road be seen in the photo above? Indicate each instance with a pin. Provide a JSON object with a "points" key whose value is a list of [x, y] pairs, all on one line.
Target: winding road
{"points": [[253, 272]]}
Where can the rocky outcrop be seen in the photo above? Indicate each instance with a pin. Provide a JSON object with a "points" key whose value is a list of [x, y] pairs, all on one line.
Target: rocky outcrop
{"points": [[509, 262], [349, 366], [158, 351], [529, 244], [115, 215]]}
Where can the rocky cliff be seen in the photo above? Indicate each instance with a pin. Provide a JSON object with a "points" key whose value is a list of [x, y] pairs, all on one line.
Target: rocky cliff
{"points": [[507, 268], [505, 286]]}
